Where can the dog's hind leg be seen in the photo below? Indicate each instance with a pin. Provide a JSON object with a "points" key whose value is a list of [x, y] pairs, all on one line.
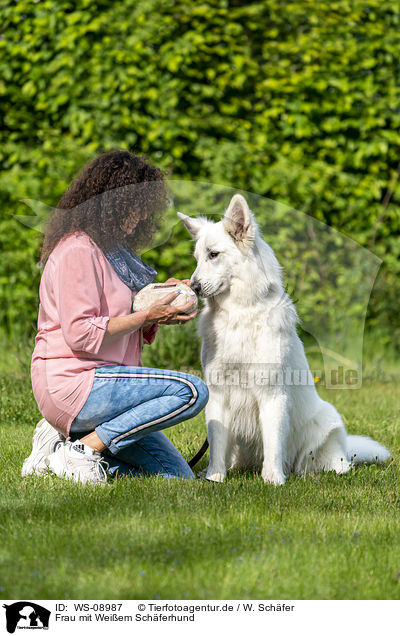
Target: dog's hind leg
{"points": [[218, 437], [331, 441], [274, 420], [332, 455]]}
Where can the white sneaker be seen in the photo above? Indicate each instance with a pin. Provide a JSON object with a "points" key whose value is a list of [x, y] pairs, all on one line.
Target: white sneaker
{"points": [[76, 461], [45, 440]]}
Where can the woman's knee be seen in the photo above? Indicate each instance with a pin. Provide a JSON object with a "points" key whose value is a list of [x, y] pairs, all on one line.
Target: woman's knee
{"points": [[191, 389], [203, 394]]}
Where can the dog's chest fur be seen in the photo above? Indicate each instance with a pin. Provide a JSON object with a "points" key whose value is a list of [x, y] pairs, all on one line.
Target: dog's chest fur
{"points": [[241, 335]]}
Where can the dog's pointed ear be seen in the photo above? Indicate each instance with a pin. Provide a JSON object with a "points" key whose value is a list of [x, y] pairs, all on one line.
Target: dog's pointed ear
{"points": [[193, 225], [239, 222]]}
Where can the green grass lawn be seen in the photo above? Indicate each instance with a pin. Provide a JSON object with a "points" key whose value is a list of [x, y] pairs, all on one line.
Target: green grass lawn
{"points": [[332, 537]]}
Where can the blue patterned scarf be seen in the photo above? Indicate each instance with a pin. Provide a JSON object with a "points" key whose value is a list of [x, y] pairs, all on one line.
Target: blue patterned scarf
{"points": [[130, 268]]}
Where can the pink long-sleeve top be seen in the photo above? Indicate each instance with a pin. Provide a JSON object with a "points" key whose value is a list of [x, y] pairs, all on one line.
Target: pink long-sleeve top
{"points": [[79, 292]]}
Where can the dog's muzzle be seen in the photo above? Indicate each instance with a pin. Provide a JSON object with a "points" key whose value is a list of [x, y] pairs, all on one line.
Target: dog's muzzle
{"points": [[196, 286]]}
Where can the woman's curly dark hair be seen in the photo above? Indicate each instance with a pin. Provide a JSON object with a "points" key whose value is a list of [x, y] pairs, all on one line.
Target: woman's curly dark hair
{"points": [[115, 200]]}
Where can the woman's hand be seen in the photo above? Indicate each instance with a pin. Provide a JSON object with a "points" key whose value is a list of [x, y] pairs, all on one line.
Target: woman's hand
{"points": [[162, 313], [176, 280], [182, 318], [167, 314]]}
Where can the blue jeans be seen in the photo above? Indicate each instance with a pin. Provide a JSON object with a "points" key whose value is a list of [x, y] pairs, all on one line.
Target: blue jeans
{"points": [[129, 406]]}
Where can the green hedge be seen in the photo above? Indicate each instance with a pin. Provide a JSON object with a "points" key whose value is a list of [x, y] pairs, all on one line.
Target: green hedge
{"points": [[294, 100]]}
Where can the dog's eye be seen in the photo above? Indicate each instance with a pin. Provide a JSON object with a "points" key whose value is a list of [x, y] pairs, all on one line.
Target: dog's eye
{"points": [[213, 254]]}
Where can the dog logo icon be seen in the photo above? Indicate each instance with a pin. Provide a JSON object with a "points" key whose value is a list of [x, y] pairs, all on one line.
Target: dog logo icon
{"points": [[26, 615]]}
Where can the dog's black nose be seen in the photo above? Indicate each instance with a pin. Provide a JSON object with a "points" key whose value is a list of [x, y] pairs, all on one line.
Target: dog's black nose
{"points": [[196, 286]]}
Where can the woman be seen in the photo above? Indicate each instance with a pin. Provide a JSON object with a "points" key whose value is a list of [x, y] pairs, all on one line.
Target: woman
{"points": [[98, 402]]}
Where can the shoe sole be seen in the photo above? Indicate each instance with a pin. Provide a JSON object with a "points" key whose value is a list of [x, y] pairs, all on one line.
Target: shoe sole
{"points": [[31, 466], [54, 465]]}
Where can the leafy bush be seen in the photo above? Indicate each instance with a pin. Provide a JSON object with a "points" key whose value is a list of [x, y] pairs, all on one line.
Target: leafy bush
{"points": [[175, 347], [294, 100]]}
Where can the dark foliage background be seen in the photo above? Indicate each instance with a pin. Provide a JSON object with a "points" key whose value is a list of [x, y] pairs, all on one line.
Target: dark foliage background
{"points": [[295, 100]]}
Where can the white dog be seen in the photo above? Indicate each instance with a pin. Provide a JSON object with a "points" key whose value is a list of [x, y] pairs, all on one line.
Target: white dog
{"points": [[259, 415]]}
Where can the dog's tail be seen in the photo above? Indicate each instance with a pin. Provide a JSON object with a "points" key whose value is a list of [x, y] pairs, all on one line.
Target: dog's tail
{"points": [[364, 449]]}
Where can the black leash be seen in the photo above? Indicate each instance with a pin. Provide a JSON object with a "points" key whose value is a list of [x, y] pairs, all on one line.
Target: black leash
{"points": [[199, 455]]}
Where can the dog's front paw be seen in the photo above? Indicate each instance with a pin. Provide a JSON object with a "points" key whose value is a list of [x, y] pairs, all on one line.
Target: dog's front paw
{"points": [[212, 475], [275, 477]]}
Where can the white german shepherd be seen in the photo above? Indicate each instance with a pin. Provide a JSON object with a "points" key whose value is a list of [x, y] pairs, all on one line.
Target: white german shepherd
{"points": [[256, 415]]}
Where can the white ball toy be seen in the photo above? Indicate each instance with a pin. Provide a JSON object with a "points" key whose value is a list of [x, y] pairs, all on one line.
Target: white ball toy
{"points": [[156, 292]]}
